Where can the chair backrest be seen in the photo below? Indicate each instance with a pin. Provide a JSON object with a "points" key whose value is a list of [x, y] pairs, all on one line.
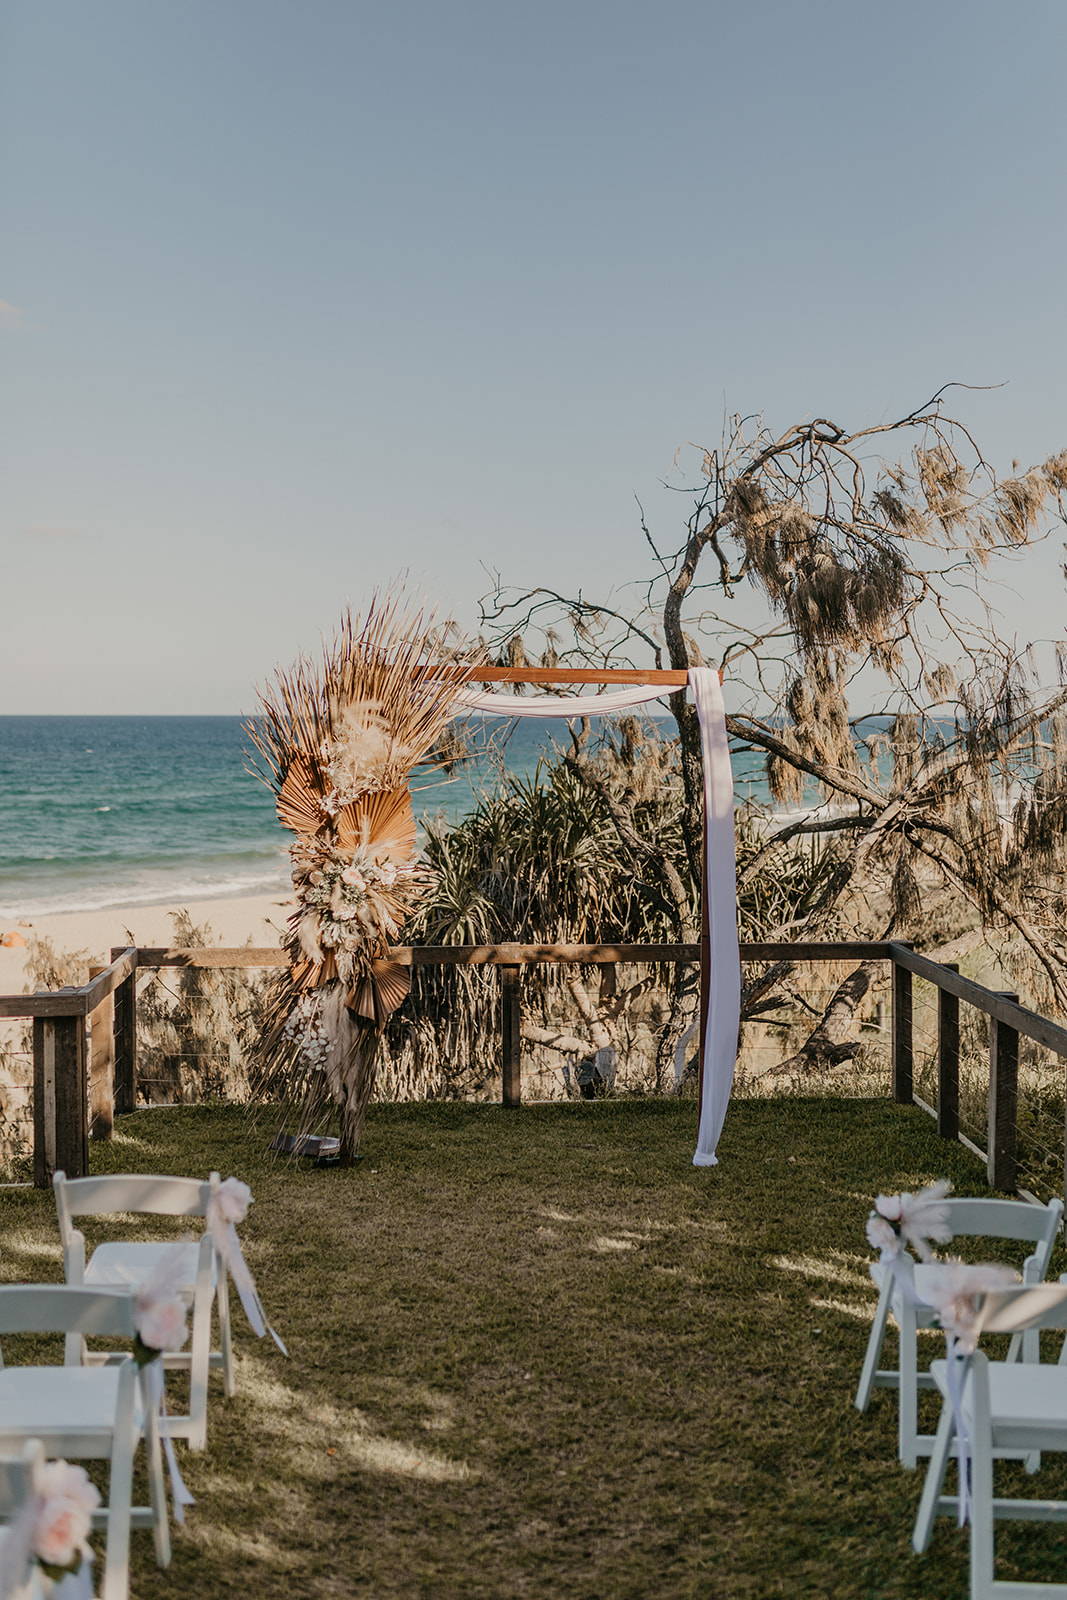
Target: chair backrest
{"points": [[63, 1308], [120, 1193], [1004, 1219], [1036, 1305], [17, 1474]]}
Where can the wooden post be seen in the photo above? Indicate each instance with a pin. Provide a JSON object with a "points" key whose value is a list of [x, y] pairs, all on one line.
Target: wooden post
{"points": [[511, 1034], [948, 1061], [102, 1065], [1002, 1144], [44, 1102], [125, 1065], [60, 1099], [903, 1056]]}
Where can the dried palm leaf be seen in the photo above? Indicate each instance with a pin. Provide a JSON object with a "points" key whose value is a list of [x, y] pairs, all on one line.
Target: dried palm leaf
{"points": [[386, 820], [336, 742]]}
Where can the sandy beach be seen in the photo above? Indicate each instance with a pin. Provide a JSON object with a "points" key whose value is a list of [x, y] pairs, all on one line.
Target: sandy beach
{"points": [[255, 919]]}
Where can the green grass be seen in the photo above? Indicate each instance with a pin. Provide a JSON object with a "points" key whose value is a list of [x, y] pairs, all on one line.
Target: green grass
{"points": [[537, 1354]]}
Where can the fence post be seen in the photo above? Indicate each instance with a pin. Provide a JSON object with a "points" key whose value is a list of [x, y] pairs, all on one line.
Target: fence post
{"points": [[511, 1035], [60, 1098], [1003, 1131], [125, 1065], [948, 1060], [903, 1055], [102, 1065]]}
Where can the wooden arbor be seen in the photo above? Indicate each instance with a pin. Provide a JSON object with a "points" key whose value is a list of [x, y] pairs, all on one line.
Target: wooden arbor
{"points": [[667, 678]]}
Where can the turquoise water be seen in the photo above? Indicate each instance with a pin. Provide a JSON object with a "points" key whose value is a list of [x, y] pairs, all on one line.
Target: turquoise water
{"points": [[125, 811]]}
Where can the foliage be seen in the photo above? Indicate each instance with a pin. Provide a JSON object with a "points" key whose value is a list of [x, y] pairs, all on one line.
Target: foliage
{"points": [[16, 1103], [197, 1027], [823, 557], [590, 850]]}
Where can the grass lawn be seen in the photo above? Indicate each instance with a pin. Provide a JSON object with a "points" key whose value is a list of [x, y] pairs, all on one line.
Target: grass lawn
{"points": [[537, 1354]]}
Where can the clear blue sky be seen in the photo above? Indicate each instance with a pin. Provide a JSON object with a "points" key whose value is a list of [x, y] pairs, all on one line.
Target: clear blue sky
{"points": [[296, 295]]}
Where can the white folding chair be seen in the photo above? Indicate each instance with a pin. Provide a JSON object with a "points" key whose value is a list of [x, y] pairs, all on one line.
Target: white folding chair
{"points": [[87, 1413], [20, 1576], [200, 1275], [1008, 1407], [987, 1219]]}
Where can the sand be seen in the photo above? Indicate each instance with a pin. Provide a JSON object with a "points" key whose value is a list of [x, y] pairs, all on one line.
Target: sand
{"points": [[257, 919]]}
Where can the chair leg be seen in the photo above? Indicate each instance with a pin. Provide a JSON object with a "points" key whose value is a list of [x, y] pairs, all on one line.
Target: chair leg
{"points": [[199, 1366], [116, 1584], [908, 1392], [226, 1338], [935, 1477], [983, 1520], [982, 1524], [874, 1349]]}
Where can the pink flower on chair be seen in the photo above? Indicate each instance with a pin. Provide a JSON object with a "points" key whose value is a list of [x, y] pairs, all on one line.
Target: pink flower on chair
{"points": [[61, 1481], [61, 1530], [161, 1324]]}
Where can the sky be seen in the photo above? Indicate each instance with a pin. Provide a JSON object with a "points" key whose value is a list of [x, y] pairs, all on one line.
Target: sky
{"points": [[295, 297]]}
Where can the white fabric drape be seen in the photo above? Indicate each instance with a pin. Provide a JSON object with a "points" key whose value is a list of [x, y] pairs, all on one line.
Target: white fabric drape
{"points": [[555, 705], [719, 1052], [228, 1245], [719, 1045]]}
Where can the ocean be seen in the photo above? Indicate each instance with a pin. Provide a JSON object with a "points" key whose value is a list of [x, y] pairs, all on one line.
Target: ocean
{"points": [[124, 811]]}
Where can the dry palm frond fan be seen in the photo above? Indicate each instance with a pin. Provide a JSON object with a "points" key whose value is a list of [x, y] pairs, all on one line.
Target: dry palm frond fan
{"points": [[336, 742]]}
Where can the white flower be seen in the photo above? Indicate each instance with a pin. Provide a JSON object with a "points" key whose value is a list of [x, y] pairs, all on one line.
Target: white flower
{"points": [[916, 1218], [883, 1236], [955, 1289], [354, 878], [62, 1480], [162, 1324], [924, 1216], [233, 1199], [363, 753]]}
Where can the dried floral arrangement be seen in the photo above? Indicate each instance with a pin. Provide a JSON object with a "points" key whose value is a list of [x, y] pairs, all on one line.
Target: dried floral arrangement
{"points": [[336, 741]]}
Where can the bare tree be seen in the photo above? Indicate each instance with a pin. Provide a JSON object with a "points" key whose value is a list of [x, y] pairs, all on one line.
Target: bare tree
{"points": [[845, 553]]}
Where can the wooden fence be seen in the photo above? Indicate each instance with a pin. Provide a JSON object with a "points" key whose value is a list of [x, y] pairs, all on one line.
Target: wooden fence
{"points": [[85, 1039]]}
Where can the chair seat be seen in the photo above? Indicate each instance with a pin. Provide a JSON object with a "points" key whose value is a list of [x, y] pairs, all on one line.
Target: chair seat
{"points": [[129, 1264], [36, 1402], [1021, 1394]]}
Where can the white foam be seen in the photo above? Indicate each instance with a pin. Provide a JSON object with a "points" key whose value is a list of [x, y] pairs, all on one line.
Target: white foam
{"points": [[116, 897]]}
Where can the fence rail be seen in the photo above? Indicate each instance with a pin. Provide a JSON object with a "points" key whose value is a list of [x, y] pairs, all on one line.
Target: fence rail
{"points": [[85, 1038]]}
